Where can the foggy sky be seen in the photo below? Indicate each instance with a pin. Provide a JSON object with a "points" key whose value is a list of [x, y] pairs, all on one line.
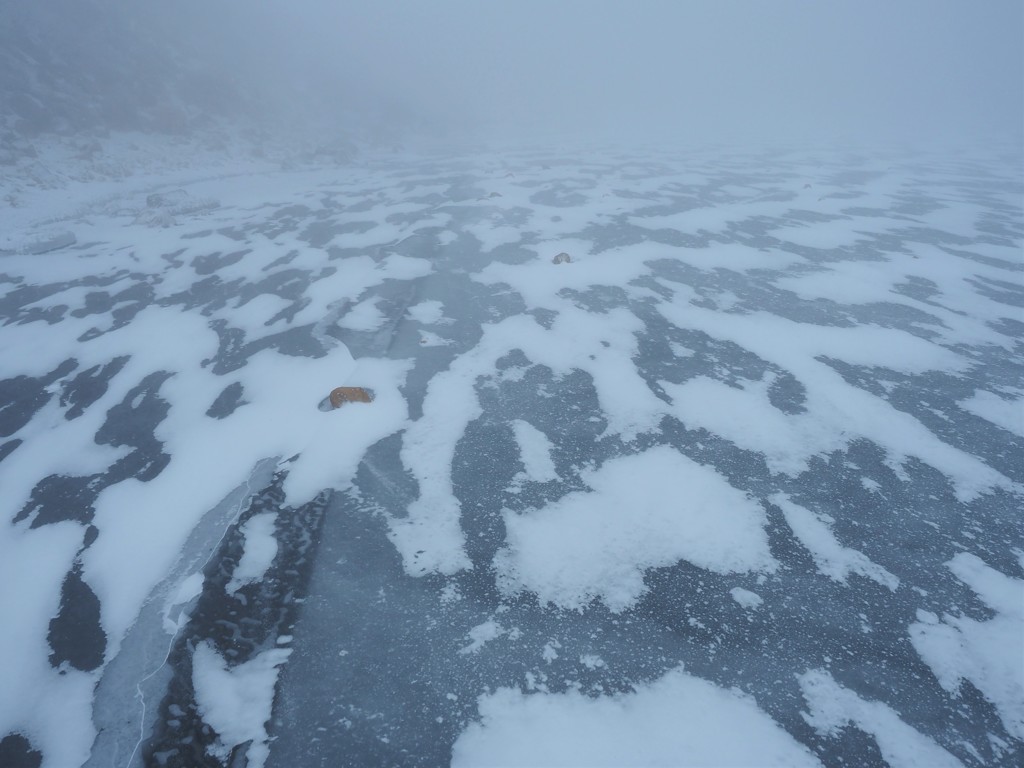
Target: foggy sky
{"points": [[707, 70], [686, 70]]}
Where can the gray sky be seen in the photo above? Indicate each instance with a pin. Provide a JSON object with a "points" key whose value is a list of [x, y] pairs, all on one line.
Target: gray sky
{"points": [[691, 70], [702, 69]]}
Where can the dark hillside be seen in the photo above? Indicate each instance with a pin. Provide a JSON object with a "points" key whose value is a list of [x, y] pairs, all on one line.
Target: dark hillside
{"points": [[71, 66]]}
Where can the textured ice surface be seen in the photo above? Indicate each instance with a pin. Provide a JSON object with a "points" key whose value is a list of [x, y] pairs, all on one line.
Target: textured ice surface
{"points": [[755, 454]]}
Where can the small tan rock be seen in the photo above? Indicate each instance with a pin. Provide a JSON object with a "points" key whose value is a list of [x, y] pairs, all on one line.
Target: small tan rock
{"points": [[562, 258], [342, 395]]}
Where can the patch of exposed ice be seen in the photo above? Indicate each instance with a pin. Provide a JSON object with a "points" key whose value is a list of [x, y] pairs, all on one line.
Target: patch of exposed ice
{"points": [[430, 538]]}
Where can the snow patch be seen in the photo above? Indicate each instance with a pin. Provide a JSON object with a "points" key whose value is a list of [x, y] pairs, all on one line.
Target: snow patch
{"points": [[364, 316], [678, 720], [832, 558], [428, 313], [986, 653], [259, 552], [833, 708], [1007, 413], [534, 452], [482, 634], [236, 701], [746, 598], [643, 511]]}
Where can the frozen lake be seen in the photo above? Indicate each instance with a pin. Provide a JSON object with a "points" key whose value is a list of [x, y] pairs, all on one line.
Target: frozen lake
{"points": [[739, 483]]}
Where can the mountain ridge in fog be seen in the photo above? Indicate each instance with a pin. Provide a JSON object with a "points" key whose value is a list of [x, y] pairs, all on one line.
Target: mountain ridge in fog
{"points": [[70, 66]]}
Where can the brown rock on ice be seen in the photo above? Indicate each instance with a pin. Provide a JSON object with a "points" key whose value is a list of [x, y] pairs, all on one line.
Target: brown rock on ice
{"points": [[341, 395]]}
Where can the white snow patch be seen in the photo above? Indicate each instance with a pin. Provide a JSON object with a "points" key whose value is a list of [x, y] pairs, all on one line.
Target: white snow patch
{"points": [[174, 614], [1007, 413], [236, 701], [678, 720], [482, 634], [870, 485], [260, 549], [534, 452], [647, 510], [450, 594], [836, 412], [833, 708], [428, 313], [430, 339], [735, 257], [989, 654], [550, 651], [430, 537], [364, 316], [331, 453], [746, 598], [539, 282], [832, 558], [679, 351], [255, 315], [49, 705]]}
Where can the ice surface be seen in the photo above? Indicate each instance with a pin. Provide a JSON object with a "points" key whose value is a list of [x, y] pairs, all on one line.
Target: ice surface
{"points": [[835, 412], [766, 423]]}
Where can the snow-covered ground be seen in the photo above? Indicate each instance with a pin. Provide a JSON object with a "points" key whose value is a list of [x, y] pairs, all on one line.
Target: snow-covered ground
{"points": [[739, 484]]}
